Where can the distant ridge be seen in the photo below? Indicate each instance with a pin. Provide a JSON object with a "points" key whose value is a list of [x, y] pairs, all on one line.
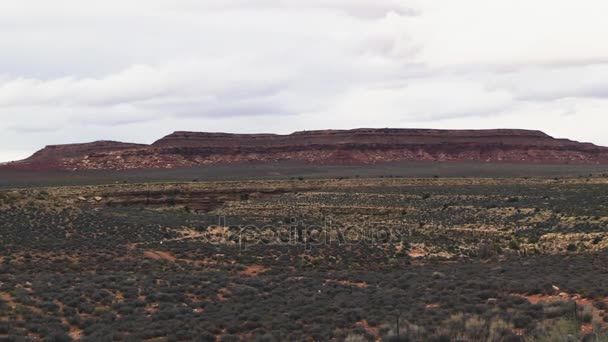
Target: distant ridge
{"points": [[353, 147]]}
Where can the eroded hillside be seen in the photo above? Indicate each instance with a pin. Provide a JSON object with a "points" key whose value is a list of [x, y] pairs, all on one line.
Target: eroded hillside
{"points": [[330, 147]]}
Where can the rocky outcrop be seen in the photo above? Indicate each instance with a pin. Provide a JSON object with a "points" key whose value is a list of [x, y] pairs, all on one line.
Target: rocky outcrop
{"points": [[358, 146], [52, 156]]}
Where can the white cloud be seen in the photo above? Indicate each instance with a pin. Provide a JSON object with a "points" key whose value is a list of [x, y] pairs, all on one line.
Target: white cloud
{"points": [[555, 82], [135, 70], [426, 100], [512, 32]]}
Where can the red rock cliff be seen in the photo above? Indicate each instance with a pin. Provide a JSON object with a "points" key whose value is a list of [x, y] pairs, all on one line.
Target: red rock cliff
{"points": [[358, 146]]}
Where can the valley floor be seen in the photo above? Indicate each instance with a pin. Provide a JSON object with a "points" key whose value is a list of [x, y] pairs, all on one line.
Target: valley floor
{"points": [[356, 259]]}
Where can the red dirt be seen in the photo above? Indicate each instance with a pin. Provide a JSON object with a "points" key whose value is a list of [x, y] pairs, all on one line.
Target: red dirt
{"points": [[253, 270], [587, 328], [222, 294], [8, 299], [75, 332], [415, 253], [370, 330], [160, 255], [360, 285]]}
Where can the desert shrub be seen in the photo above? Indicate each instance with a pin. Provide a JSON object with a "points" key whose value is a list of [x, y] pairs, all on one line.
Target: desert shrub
{"points": [[571, 247], [561, 330], [4, 327], [513, 244], [205, 337], [398, 339], [58, 337], [559, 309], [356, 338], [521, 321], [586, 314], [229, 338], [600, 304]]}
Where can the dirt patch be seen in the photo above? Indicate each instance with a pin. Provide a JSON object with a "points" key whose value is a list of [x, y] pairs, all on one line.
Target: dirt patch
{"points": [[586, 328], [361, 285], [193, 298], [168, 256], [8, 299], [253, 270], [217, 230], [223, 294], [187, 234], [204, 262], [369, 329], [160, 255], [416, 253], [537, 298], [152, 308], [75, 332], [119, 297]]}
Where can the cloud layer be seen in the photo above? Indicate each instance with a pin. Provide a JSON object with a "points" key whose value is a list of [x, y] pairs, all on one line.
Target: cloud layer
{"points": [[136, 70]]}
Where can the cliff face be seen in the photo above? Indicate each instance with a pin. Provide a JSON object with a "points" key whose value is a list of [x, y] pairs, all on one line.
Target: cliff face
{"points": [[359, 146], [53, 152], [361, 137], [53, 156]]}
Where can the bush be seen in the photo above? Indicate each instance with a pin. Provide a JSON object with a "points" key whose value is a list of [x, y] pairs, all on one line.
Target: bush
{"points": [[571, 248], [58, 337], [562, 330], [587, 314], [521, 321], [514, 245], [4, 327]]}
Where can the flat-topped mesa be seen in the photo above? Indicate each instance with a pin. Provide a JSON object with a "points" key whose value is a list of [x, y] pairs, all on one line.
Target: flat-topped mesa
{"points": [[80, 150], [61, 156], [207, 139], [355, 147], [365, 137], [428, 132]]}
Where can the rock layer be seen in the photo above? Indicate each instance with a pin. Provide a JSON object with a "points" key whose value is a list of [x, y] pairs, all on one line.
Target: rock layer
{"points": [[359, 146]]}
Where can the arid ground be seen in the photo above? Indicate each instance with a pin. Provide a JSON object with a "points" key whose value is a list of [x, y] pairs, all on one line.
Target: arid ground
{"points": [[303, 259]]}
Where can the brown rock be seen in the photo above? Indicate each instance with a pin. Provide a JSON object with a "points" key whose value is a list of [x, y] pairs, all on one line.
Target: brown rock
{"points": [[358, 146]]}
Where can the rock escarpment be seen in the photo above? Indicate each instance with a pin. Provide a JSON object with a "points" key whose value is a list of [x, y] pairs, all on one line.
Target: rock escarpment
{"points": [[358, 146]]}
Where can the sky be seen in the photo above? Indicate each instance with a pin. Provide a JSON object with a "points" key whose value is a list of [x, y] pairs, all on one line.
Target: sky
{"points": [[135, 71]]}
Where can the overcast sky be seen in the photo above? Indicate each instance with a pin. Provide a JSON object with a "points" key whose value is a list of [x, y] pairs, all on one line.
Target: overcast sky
{"points": [[78, 71]]}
